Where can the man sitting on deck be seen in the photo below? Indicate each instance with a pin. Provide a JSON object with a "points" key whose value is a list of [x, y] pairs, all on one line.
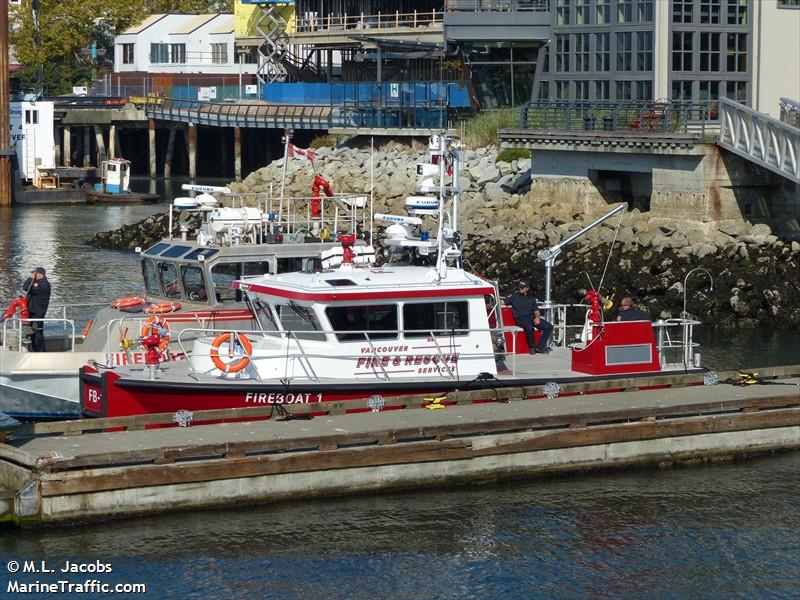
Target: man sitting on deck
{"points": [[527, 315]]}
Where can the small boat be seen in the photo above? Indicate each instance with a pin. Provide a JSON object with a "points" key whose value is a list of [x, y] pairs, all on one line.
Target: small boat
{"points": [[185, 284], [114, 187], [416, 325]]}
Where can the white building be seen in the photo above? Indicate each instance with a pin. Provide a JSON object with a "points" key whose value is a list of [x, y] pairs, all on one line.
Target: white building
{"points": [[31, 125], [180, 44]]}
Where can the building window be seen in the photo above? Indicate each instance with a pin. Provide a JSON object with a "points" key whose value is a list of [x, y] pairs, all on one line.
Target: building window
{"points": [[644, 51], [581, 90], [582, 12], [644, 90], [709, 91], [788, 3], [709, 51], [645, 11], [127, 54], [682, 51], [624, 11], [544, 90], [562, 53], [624, 90], [31, 117], [602, 90], [737, 91], [602, 51], [582, 55], [602, 12], [681, 90], [737, 53], [562, 12], [219, 54], [177, 53], [625, 51], [709, 11], [159, 53], [562, 90], [737, 12], [682, 11]]}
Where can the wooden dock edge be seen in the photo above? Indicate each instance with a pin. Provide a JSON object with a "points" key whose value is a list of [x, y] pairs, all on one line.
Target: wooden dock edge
{"points": [[44, 496]]}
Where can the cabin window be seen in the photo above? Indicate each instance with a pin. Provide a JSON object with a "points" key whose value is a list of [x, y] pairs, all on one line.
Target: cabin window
{"points": [[379, 322], [300, 320], [264, 316], [290, 265], [150, 276], [249, 269], [111, 167], [222, 276], [441, 318], [169, 280], [194, 282]]}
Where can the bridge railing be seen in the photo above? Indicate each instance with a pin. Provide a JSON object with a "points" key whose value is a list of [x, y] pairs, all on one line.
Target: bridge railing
{"points": [[766, 141], [379, 20], [497, 5], [627, 116]]}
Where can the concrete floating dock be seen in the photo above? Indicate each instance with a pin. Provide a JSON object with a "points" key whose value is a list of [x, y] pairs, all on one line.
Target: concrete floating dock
{"points": [[53, 473]]}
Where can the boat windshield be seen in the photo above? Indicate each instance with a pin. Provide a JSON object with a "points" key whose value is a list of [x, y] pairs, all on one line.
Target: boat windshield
{"points": [[150, 275], [169, 280], [194, 283], [264, 315], [300, 320]]}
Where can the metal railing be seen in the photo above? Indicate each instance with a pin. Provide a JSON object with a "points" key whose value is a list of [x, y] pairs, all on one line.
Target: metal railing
{"points": [[768, 142], [630, 116], [497, 5], [369, 21], [17, 325]]}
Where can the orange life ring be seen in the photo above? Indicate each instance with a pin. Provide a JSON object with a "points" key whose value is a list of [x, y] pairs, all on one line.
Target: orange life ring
{"points": [[154, 324], [162, 307], [128, 302], [236, 365]]}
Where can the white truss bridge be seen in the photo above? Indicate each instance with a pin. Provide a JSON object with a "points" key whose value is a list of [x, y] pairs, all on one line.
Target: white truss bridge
{"points": [[768, 142]]}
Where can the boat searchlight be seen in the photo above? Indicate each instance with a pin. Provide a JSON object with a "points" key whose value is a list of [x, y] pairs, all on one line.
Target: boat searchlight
{"points": [[548, 257]]}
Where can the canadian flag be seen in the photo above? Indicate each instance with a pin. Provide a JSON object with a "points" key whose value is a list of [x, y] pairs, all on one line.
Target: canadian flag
{"points": [[304, 153]]}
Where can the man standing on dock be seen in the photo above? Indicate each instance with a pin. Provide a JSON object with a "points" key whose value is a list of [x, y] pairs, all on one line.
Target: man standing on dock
{"points": [[527, 315], [38, 291]]}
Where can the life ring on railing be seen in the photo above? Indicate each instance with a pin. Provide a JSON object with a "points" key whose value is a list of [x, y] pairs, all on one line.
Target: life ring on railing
{"points": [[128, 302], [162, 307], [236, 365], [157, 324]]}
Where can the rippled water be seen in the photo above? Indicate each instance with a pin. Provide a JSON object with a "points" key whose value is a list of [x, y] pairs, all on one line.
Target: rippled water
{"points": [[721, 531], [727, 531]]}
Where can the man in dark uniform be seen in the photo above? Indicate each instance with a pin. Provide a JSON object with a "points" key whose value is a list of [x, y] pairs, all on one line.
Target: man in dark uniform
{"points": [[629, 312], [38, 290], [527, 315]]}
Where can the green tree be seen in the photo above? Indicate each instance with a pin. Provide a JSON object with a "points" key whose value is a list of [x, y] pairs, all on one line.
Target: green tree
{"points": [[49, 35]]}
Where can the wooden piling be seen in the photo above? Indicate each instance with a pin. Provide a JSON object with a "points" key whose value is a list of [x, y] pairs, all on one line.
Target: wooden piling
{"points": [[151, 138], [191, 141], [170, 152], [237, 153]]}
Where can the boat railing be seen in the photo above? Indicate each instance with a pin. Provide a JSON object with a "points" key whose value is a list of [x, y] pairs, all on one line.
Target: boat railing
{"points": [[675, 343], [13, 331], [294, 213]]}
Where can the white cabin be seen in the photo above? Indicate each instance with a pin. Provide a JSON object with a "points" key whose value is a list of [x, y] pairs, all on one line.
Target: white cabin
{"points": [[31, 135]]}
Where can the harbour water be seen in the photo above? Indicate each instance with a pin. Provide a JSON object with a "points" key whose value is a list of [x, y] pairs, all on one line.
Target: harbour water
{"points": [[725, 530]]}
